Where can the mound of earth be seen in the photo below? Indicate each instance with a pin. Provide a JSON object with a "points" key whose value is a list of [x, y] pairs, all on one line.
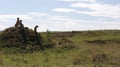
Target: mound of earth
{"points": [[12, 37], [19, 36]]}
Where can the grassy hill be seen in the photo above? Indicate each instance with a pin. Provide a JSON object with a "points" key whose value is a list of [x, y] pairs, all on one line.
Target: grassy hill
{"points": [[70, 49]]}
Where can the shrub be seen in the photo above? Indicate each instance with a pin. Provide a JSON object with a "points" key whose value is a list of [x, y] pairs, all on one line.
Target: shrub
{"points": [[47, 40]]}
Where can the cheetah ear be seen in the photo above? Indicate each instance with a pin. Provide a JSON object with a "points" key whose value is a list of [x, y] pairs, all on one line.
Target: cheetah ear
{"points": [[18, 18], [20, 21], [37, 26]]}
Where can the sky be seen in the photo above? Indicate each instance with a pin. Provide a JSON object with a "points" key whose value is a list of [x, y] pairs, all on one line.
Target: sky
{"points": [[61, 15]]}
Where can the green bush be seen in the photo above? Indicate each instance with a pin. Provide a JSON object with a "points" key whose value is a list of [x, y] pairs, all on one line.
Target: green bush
{"points": [[47, 40]]}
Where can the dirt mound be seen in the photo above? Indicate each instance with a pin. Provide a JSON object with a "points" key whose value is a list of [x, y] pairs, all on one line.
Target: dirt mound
{"points": [[12, 37]]}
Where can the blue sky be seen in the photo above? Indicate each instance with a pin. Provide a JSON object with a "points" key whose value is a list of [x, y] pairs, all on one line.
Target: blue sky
{"points": [[61, 15]]}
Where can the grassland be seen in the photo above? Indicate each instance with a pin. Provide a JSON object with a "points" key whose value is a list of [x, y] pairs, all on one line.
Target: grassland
{"points": [[73, 49]]}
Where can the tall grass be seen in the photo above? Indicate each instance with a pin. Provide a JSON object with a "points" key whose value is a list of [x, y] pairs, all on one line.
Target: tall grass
{"points": [[79, 50]]}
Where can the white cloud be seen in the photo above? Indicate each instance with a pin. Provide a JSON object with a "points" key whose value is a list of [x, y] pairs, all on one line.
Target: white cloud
{"points": [[11, 16], [51, 22], [56, 23], [27, 16], [78, 0], [63, 10], [64, 23], [9, 19], [103, 10], [66, 20], [38, 14]]}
